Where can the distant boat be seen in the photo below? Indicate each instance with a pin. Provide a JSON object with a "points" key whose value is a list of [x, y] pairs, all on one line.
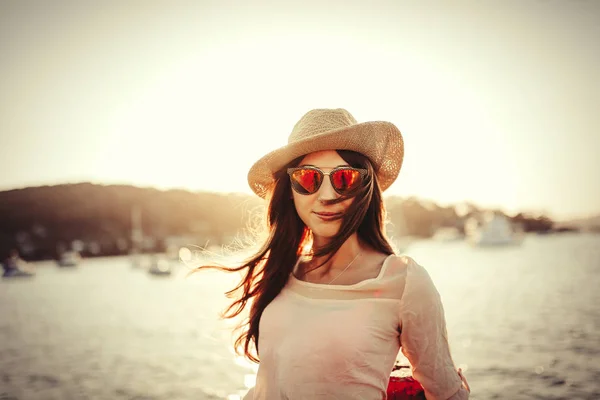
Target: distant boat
{"points": [[160, 266], [136, 259], [16, 267], [69, 259], [494, 229], [137, 236]]}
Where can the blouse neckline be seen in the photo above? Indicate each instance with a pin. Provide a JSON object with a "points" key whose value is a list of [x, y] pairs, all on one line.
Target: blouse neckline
{"points": [[338, 286]]}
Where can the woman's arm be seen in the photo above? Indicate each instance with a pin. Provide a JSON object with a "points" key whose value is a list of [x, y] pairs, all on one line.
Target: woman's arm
{"points": [[424, 340]]}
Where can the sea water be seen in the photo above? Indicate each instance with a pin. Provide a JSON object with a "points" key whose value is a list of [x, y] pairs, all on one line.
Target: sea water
{"points": [[523, 323]]}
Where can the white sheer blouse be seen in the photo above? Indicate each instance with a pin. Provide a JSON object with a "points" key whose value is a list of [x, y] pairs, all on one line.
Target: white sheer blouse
{"points": [[321, 341]]}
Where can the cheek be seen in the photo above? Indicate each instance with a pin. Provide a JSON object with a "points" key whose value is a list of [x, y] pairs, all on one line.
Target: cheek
{"points": [[303, 205], [346, 203]]}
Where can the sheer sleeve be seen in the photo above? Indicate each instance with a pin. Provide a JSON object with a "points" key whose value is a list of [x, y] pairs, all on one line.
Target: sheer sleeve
{"points": [[424, 340]]}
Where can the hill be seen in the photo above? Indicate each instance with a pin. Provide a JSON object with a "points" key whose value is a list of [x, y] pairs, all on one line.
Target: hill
{"points": [[41, 222]]}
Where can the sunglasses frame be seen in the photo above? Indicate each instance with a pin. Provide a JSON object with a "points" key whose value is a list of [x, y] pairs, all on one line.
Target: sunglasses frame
{"points": [[363, 173]]}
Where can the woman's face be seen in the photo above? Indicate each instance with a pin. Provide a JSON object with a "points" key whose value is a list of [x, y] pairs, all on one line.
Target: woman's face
{"points": [[321, 218]]}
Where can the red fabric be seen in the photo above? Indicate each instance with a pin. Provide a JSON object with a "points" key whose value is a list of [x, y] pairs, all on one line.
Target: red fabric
{"points": [[405, 388]]}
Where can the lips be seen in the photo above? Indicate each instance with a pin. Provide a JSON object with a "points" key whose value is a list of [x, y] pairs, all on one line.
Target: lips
{"points": [[328, 216]]}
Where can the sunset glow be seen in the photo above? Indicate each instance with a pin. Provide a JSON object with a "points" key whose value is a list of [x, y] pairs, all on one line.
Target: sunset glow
{"points": [[497, 104]]}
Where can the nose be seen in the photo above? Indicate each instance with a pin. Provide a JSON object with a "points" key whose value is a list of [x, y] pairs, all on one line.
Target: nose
{"points": [[326, 191]]}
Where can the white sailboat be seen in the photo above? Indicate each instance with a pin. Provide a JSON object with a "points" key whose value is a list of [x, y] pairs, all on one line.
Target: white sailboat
{"points": [[69, 259], [494, 229], [137, 235], [16, 267], [160, 266]]}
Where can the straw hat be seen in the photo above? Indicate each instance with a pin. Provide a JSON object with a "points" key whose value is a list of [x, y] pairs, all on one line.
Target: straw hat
{"points": [[334, 129]]}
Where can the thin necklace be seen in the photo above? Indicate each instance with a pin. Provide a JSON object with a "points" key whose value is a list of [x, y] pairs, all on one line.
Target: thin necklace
{"points": [[348, 266]]}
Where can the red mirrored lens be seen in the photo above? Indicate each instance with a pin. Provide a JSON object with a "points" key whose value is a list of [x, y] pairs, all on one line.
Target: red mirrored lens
{"points": [[306, 180], [344, 180]]}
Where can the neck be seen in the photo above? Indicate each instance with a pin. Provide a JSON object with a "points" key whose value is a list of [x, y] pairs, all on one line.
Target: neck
{"points": [[346, 253]]}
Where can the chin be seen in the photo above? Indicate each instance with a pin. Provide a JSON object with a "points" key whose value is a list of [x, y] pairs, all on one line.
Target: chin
{"points": [[326, 236], [325, 232]]}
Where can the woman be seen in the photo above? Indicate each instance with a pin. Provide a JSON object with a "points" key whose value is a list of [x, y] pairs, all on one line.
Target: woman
{"points": [[331, 304]]}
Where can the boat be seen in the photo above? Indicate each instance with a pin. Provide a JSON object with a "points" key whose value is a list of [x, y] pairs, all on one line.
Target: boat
{"points": [[137, 237], [160, 266], [69, 259], [15, 267], [17, 273], [136, 259], [492, 229]]}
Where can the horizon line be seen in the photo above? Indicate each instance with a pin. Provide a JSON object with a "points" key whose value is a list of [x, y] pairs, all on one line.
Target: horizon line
{"points": [[567, 218]]}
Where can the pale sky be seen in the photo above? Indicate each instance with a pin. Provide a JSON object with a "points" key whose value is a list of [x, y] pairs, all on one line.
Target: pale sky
{"points": [[498, 101]]}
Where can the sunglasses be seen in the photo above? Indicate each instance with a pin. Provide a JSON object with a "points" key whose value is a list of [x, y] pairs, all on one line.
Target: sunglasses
{"points": [[308, 180]]}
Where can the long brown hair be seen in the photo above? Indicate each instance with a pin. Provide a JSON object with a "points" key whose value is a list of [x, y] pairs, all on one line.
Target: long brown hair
{"points": [[266, 273]]}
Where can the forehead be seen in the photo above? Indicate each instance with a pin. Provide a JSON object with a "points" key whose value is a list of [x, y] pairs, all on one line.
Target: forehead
{"points": [[326, 158]]}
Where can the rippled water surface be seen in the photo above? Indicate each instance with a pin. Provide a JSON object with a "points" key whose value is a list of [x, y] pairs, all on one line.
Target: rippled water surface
{"points": [[524, 322]]}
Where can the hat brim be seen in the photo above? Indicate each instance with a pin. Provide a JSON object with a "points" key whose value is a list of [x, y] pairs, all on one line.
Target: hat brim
{"points": [[380, 141]]}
